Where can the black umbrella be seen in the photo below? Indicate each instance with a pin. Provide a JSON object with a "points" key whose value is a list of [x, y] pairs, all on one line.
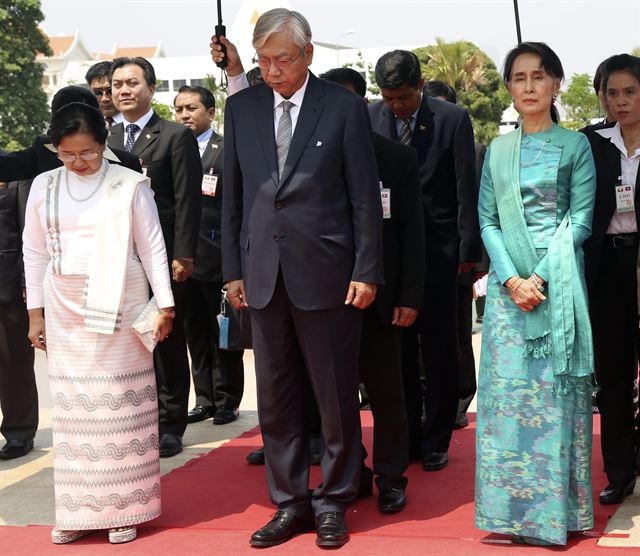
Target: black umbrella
{"points": [[221, 31], [515, 8]]}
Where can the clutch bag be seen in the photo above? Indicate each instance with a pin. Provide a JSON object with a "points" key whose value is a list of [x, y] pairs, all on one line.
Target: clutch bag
{"points": [[145, 323]]}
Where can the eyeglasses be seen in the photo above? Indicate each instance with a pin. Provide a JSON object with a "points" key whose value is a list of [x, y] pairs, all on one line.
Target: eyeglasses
{"points": [[71, 158], [280, 63], [100, 92]]}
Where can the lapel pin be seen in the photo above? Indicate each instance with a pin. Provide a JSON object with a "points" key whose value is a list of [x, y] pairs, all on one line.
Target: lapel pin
{"points": [[423, 128], [148, 136], [213, 146]]}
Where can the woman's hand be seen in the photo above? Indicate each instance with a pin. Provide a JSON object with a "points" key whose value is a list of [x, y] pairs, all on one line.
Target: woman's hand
{"points": [[524, 293], [164, 324], [37, 333]]}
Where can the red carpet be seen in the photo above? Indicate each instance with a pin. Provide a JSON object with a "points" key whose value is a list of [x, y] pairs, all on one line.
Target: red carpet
{"points": [[214, 503]]}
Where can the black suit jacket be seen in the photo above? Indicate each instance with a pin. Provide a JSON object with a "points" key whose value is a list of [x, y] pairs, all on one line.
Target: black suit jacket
{"points": [[36, 159], [403, 233], [169, 154], [321, 222], [443, 139], [13, 202], [208, 264], [608, 168]]}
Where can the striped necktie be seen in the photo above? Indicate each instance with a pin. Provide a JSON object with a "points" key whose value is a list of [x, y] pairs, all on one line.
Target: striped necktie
{"points": [[405, 131], [131, 136], [283, 137]]}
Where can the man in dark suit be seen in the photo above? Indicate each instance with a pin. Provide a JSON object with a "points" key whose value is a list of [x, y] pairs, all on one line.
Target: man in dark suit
{"points": [[169, 156], [218, 375], [442, 135], [395, 307], [18, 394], [97, 78], [41, 155], [302, 223], [611, 255]]}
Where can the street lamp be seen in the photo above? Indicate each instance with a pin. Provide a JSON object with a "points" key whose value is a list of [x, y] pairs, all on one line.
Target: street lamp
{"points": [[346, 33]]}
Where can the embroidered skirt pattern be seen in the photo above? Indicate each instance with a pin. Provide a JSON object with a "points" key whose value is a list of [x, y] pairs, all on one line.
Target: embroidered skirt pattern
{"points": [[105, 410]]}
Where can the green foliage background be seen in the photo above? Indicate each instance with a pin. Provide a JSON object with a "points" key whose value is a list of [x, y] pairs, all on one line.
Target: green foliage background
{"points": [[24, 111]]}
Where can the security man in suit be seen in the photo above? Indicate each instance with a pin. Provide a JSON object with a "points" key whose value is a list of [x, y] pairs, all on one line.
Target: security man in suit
{"points": [[218, 375], [442, 135], [97, 78], [302, 222], [18, 394], [170, 157], [395, 307], [41, 155]]}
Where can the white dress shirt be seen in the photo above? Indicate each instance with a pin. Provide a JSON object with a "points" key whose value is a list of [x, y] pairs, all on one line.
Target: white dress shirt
{"points": [[239, 82], [623, 223], [203, 140], [140, 123]]}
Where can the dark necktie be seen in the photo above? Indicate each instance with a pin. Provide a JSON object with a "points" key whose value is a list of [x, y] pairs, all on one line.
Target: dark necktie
{"points": [[131, 136], [405, 132], [109, 121], [283, 137]]}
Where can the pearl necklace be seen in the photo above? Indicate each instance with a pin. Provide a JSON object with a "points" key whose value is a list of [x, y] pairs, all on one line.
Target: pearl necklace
{"points": [[76, 199]]}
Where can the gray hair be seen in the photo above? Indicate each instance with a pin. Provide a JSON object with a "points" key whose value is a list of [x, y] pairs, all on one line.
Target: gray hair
{"points": [[281, 20]]}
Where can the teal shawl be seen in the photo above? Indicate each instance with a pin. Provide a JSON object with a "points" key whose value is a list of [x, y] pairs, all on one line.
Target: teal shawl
{"points": [[559, 327]]}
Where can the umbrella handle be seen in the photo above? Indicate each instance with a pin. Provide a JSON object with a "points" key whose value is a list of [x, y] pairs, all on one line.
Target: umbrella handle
{"points": [[221, 31]]}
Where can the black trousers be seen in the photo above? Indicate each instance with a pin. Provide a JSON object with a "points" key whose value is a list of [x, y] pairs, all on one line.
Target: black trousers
{"points": [[172, 370], [285, 341], [218, 375], [434, 335], [466, 358], [381, 373], [614, 318], [18, 394]]}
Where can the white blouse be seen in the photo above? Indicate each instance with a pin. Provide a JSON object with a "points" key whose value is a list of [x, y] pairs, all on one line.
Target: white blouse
{"points": [[76, 222]]}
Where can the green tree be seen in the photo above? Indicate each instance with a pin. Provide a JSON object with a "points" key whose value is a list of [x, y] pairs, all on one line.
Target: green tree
{"points": [[23, 115], [636, 51], [163, 110], [580, 102], [367, 71], [220, 94], [475, 79]]}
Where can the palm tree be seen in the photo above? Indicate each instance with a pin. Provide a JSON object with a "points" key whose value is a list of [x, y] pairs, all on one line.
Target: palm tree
{"points": [[455, 63]]}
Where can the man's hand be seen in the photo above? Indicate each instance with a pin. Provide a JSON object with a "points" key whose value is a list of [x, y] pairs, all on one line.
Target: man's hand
{"points": [[361, 294], [37, 333], [465, 267], [181, 269], [234, 64], [404, 316], [236, 295]]}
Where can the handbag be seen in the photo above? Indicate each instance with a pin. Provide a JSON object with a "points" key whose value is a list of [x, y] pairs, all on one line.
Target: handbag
{"points": [[145, 323], [234, 324]]}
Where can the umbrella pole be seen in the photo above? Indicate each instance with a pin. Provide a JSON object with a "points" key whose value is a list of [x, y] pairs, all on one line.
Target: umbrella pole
{"points": [[517, 14]]}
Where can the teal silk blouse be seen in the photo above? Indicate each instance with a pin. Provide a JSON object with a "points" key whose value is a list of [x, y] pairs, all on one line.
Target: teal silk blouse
{"points": [[557, 174]]}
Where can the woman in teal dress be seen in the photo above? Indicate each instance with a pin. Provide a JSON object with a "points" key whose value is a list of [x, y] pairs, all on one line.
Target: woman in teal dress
{"points": [[533, 440]]}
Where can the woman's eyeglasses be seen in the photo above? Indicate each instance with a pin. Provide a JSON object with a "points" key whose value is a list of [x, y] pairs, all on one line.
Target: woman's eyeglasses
{"points": [[70, 158]]}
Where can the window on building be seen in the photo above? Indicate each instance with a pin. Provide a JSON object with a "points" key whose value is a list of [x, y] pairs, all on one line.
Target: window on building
{"points": [[197, 83], [162, 86], [45, 80], [177, 83]]}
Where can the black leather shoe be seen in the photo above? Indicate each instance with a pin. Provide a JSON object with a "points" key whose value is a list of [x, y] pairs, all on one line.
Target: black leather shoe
{"points": [[391, 501], [461, 422], [256, 457], [16, 449], [282, 527], [197, 414], [615, 494], [331, 530], [170, 445], [223, 416], [435, 461], [365, 487]]}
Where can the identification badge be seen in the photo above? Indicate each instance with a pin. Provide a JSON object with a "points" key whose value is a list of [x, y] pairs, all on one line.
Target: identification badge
{"points": [[624, 199], [385, 197], [209, 185], [223, 324]]}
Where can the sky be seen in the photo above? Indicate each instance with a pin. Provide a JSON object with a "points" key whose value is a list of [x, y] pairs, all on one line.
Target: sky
{"points": [[582, 32]]}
